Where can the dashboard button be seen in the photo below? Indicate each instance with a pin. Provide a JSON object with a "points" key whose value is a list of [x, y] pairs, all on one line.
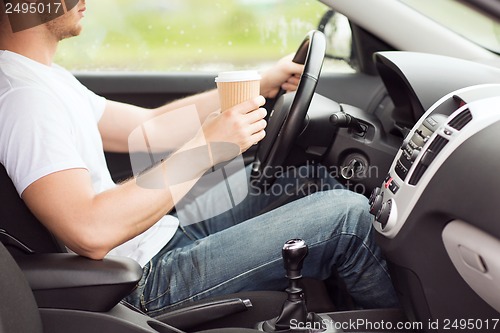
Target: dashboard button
{"points": [[414, 154], [393, 186]]}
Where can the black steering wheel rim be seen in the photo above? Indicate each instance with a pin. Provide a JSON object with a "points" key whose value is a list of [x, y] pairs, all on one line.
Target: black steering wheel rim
{"points": [[289, 111]]}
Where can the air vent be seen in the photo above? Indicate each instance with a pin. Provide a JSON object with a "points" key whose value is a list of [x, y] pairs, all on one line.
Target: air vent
{"points": [[427, 157], [461, 120]]}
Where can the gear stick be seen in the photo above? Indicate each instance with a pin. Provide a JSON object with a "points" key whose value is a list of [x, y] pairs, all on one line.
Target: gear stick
{"points": [[294, 252], [294, 309]]}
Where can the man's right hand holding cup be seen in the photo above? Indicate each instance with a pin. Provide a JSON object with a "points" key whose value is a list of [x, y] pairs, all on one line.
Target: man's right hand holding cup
{"points": [[233, 131]]}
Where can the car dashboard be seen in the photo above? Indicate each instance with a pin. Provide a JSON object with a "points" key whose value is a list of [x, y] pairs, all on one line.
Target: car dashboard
{"points": [[436, 211]]}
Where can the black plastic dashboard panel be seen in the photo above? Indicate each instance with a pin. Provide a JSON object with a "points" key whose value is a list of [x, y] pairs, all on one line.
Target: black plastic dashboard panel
{"points": [[415, 81]]}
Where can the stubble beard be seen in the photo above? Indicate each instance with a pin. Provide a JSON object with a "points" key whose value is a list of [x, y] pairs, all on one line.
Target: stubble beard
{"points": [[64, 27], [60, 33]]}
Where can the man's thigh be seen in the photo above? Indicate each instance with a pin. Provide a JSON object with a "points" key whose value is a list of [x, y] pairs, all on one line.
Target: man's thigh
{"points": [[247, 256], [291, 184]]}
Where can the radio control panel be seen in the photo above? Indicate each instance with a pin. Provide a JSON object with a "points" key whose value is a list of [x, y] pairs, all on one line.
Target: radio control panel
{"points": [[443, 128]]}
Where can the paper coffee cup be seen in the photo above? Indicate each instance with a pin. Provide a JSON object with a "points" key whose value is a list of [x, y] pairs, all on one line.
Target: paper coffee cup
{"points": [[237, 87]]}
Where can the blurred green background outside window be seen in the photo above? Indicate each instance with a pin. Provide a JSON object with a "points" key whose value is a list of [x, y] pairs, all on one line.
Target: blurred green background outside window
{"points": [[188, 35]]}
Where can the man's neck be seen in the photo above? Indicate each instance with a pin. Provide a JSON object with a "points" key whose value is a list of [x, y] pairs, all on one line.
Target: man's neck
{"points": [[32, 43]]}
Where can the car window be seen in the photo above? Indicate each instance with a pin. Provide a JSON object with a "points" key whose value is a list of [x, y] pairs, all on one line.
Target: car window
{"points": [[188, 35], [474, 25]]}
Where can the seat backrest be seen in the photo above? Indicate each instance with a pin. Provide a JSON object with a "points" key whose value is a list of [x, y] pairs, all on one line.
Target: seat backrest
{"points": [[19, 223], [18, 310]]}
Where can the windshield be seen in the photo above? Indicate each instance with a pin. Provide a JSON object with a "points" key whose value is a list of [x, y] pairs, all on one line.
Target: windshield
{"points": [[474, 25]]}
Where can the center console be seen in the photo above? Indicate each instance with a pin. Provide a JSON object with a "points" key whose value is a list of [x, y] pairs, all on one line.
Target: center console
{"points": [[436, 213]]}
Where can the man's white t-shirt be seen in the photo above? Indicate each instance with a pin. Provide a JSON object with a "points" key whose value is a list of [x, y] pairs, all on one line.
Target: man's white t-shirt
{"points": [[48, 123]]}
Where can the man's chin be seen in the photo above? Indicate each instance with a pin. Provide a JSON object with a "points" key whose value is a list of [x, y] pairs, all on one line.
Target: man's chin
{"points": [[78, 31], [71, 33]]}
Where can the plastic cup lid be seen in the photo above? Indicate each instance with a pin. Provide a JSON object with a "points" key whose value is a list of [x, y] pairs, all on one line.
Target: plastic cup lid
{"points": [[236, 76]]}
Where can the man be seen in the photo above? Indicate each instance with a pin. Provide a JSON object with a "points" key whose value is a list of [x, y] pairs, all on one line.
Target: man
{"points": [[52, 135]]}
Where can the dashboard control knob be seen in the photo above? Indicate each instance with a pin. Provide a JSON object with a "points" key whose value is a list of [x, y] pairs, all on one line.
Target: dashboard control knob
{"points": [[384, 213], [377, 204], [375, 192]]}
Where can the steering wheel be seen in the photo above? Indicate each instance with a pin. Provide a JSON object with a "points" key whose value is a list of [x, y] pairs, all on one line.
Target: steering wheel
{"points": [[286, 119]]}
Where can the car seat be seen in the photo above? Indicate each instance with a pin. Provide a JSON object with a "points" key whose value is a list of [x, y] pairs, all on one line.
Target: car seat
{"points": [[20, 230], [19, 312]]}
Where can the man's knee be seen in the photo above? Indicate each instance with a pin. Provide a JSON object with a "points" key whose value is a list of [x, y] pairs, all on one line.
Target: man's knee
{"points": [[359, 219], [353, 209]]}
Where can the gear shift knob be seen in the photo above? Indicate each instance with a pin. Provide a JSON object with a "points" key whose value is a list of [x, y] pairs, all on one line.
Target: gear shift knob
{"points": [[294, 309], [294, 252]]}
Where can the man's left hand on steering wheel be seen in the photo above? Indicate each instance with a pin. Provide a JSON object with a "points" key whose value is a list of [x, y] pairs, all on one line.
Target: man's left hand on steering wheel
{"points": [[285, 75]]}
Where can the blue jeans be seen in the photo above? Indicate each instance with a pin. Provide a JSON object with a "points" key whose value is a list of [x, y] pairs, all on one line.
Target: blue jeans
{"points": [[239, 251]]}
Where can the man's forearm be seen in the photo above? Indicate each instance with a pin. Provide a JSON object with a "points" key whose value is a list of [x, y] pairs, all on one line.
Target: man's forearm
{"points": [[148, 197], [93, 224], [205, 103]]}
